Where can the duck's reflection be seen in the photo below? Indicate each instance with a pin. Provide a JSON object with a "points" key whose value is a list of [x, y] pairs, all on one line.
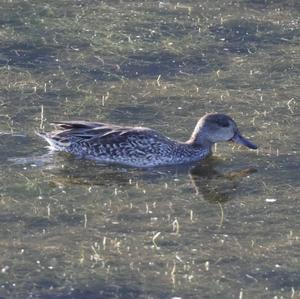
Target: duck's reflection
{"points": [[217, 186], [206, 180]]}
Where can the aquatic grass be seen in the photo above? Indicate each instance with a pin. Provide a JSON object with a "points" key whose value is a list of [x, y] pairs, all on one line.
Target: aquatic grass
{"points": [[74, 229], [190, 261]]}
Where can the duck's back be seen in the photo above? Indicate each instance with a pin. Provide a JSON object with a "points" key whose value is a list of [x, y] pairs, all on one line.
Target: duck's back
{"points": [[137, 146]]}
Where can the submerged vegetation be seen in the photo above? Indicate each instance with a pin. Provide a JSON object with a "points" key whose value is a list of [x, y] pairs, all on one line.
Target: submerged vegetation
{"points": [[72, 229]]}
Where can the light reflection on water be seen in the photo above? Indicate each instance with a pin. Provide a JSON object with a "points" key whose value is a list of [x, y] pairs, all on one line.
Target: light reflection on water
{"points": [[74, 229]]}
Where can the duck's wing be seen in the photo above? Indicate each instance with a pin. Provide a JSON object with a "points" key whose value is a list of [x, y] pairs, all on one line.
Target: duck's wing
{"points": [[78, 124], [70, 132]]}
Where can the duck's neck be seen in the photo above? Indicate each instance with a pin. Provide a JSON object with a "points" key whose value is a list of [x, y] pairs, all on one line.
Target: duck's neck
{"points": [[199, 138], [192, 151]]}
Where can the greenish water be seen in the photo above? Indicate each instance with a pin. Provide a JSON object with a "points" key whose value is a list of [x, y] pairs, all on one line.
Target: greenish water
{"points": [[228, 228]]}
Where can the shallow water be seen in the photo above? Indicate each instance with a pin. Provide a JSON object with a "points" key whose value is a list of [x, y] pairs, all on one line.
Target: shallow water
{"points": [[226, 228]]}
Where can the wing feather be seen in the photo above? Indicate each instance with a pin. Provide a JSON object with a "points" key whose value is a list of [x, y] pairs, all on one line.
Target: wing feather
{"points": [[88, 131]]}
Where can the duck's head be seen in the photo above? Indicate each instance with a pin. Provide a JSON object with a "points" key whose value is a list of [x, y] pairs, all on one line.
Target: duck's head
{"points": [[215, 127]]}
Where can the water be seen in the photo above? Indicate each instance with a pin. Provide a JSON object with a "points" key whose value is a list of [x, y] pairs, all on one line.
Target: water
{"points": [[227, 228]]}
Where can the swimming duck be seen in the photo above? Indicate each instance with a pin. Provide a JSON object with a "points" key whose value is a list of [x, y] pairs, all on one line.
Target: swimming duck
{"points": [[142, 147]]}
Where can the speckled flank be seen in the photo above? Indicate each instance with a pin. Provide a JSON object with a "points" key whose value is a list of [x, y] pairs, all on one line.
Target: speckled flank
{"points": [[138, 146]]}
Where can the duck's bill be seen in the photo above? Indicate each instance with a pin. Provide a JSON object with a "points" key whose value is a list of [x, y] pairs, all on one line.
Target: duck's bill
{"points": [[238, 138]]}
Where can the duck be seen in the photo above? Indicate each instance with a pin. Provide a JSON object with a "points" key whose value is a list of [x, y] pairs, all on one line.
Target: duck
{"points": [[140, 146]]}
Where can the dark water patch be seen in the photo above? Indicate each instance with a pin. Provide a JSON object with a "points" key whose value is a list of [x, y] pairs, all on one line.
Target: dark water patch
{"points": [[169, 26], [167, 64], [273, 4], [99, 72], [29, 56], [228, 222], [151, 64], [143, 65], [39, 223], [284, 64], [89, 173], [11, 218], [14, 14], [27, 224], [244, 36], [279, 279], [10, 22], [70, 219], [135, 114], [100, 292], [13, 145], [55, 286]]}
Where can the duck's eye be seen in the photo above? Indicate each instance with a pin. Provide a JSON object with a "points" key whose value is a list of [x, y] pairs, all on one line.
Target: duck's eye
{"points": [[223, 123]]}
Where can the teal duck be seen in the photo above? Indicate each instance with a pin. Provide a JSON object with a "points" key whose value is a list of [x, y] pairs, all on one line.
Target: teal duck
{"points": [[139, 146]]}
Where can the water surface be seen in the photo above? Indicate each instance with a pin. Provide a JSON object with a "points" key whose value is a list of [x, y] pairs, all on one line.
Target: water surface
{"points": [[226, 228]]}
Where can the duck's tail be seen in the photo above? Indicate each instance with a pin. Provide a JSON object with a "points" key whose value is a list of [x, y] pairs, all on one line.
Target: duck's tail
{"points": [[54, 144]]}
